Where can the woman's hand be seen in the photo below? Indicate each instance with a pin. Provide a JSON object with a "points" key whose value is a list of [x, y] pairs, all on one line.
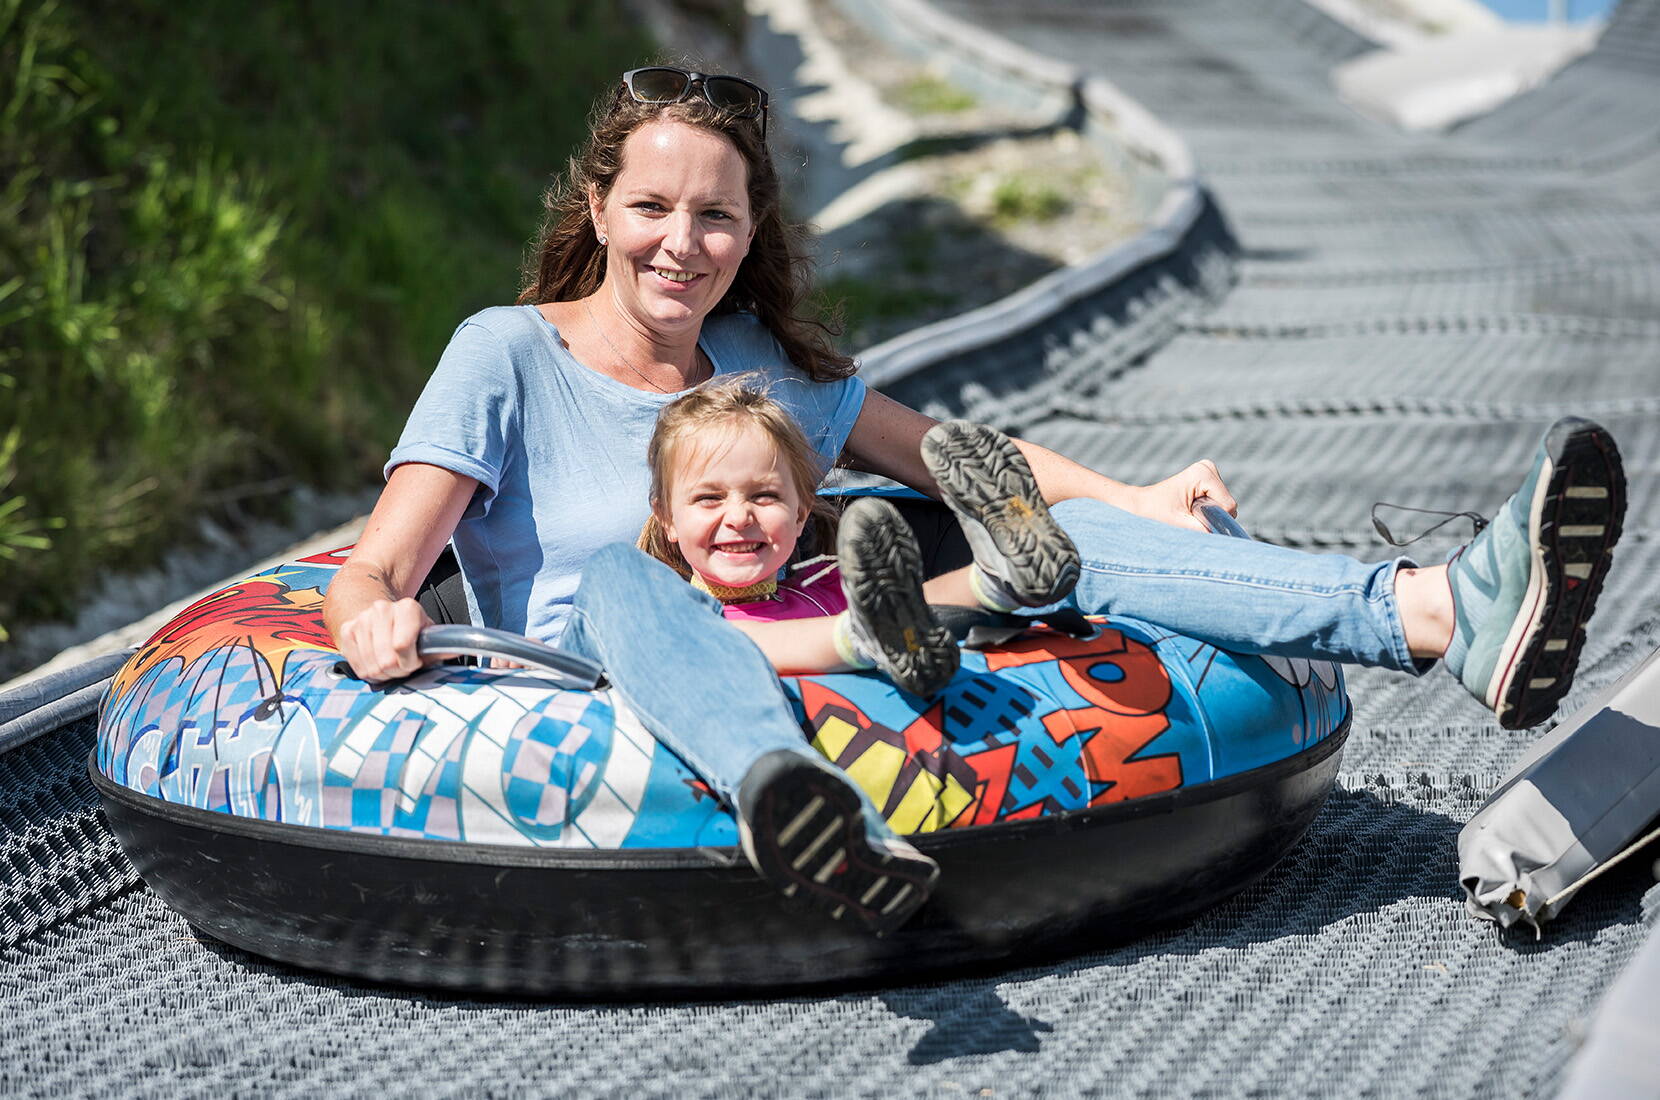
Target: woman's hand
{"points": [[379, 641], [1171, 500], [368, 607]]}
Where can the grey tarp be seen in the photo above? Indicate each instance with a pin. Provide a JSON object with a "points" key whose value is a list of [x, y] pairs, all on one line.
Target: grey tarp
{"points": [[1620, 1057], [1585, 795]]}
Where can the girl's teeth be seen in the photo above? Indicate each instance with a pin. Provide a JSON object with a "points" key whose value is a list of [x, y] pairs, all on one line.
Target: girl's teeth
{"points": [[677, 276]]}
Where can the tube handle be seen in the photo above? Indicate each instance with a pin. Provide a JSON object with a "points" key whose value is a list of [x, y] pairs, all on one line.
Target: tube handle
{"points": [[1216, 517], [573, 672]]}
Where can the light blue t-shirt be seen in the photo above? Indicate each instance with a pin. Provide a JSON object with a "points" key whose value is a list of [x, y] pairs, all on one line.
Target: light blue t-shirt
{"points": [[559, 451]]}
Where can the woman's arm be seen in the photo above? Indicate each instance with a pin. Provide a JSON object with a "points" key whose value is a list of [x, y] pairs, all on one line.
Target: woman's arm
{"points": [[887, 440], [369, 608]]}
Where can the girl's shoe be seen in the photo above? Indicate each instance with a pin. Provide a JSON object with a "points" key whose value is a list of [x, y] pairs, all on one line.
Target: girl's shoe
{"points": [[807, 830], [1524, 587], [889, 622], [1022, 558]]}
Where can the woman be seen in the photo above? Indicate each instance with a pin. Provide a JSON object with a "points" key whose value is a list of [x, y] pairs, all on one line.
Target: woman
{"points": [[665, 260]]}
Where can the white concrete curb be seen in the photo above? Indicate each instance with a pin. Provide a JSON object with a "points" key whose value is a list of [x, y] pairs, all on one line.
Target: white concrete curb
{"points": [[918, 26]]}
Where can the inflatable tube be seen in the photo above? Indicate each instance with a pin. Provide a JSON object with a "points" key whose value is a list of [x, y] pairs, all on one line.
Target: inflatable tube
{"points": [[492, 830]]}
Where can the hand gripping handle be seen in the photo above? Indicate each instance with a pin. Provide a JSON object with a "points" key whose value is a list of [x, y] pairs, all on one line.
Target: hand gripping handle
{"points": [[572, 671], [1216, 517]]}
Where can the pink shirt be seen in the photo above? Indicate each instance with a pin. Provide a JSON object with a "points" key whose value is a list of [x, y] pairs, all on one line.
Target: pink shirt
{"points": [[811, 589]]}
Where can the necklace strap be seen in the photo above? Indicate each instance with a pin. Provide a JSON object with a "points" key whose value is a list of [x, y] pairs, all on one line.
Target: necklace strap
{"points": [[760, 590], [697, 354], [1477, 520]]}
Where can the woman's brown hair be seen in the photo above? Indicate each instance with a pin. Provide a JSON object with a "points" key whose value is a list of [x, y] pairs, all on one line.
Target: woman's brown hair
{"points": [[774, 280], [736, 401]]}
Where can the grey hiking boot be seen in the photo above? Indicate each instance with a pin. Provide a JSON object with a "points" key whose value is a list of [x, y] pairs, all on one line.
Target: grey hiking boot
{"points": [[1018, 547], [890, 623], [1524, 587], [810, 832]]}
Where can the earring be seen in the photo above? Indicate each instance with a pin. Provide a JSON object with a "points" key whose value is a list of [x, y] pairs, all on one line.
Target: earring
{"points": [[602, 238]]}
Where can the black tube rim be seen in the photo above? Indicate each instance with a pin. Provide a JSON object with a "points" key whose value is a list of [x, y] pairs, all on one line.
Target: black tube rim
{"points": [[711, 858]]}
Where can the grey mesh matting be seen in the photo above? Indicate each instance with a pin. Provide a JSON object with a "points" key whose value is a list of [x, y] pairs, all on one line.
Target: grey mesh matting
{"points": [[1363, 315], [1350, 969]]}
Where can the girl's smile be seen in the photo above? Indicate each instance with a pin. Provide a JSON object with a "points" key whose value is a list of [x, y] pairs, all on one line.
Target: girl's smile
{"points": [[732, 509]]}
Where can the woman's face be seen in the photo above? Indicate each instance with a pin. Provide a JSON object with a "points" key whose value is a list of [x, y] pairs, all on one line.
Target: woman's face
{"points": [[678, 224], [732, 508]]}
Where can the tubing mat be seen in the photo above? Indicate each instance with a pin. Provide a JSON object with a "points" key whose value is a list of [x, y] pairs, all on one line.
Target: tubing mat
{"points": [[1338, 973]]}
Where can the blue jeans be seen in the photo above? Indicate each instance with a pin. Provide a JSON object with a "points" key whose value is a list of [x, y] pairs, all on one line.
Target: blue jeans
{"points": [[1236, 594], [698, 684]]}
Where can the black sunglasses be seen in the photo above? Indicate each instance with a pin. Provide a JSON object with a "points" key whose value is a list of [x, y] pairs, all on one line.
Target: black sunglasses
{"points": [[733, 94]]}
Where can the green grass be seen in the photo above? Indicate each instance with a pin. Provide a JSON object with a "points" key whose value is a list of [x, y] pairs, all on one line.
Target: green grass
{"points": [[234, 238], [927, 94], [1023, 199], [866, 307]]}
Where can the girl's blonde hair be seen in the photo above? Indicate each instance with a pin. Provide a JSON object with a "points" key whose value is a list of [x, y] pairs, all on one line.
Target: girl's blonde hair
{"points": [[738, 401]]}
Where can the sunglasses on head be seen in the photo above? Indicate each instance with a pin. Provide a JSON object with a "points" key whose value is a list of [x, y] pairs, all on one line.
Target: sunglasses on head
{"points": [[661, 84]]}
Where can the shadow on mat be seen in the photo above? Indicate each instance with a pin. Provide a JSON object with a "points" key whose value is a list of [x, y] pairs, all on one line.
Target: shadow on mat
{"points": [[1362, 856], [968, 1020]]}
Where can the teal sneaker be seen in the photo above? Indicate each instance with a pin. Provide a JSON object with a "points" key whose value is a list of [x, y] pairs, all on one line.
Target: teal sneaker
{"points": [[1524, 587]]}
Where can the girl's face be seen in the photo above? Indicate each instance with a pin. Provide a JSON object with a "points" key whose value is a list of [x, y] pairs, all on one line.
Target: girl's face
{"points": [[677, 222], [731, 506]]}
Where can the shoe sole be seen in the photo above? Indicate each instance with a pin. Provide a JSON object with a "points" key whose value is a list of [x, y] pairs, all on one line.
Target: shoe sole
{"points": [[881, 568], [809, 841], [1573, 524], [985, 480]]}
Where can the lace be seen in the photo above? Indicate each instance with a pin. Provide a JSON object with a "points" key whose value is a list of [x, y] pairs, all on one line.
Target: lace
{"points": [[1477, 520]]}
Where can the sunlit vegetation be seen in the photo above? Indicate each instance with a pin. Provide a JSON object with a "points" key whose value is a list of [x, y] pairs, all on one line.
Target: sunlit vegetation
{"points": [[233, 239], [928, 94], [1023, 198]]}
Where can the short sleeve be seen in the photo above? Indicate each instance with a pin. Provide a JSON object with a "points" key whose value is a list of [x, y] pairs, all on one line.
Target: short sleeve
{"points": [[826, 411], [466, 414], [838, 405]]}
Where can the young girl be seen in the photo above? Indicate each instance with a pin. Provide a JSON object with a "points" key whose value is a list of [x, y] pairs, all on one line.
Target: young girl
{"points": [[735, 512]]}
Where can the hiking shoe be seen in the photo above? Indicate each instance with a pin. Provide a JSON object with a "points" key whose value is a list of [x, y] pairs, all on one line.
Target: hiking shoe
{"points": [[805, 829], [1524, 587], [889, 621], [1023, 557]]}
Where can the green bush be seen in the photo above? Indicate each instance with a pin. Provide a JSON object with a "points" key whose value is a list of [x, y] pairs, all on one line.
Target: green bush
{"points": [[233, 239]]}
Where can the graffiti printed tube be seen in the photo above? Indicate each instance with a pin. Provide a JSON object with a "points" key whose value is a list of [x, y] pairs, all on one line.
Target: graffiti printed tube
{"points": [[493, 830]]}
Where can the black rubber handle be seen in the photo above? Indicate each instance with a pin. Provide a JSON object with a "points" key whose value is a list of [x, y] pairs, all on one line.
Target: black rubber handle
{"points": [[482, 641]]}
